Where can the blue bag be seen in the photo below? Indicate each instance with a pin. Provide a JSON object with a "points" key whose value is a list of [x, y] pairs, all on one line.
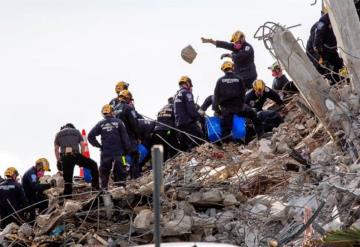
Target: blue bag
{"points": [[214, 129], [239, 127]]}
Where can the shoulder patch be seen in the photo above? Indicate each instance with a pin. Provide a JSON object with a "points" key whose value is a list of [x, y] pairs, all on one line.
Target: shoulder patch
{"points": [[33, 178], [189, 96], [267, 89], [133, 113], [320, 25], [247, 48]]}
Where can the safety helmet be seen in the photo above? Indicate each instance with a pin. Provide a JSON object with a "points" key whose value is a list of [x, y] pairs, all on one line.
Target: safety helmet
{"points": [[107, 109], [125, 94], [185, 79], [121, 86], [259, 85], [11, 171], [45, 164], [275, 66], [237, 36], [227, 65]]}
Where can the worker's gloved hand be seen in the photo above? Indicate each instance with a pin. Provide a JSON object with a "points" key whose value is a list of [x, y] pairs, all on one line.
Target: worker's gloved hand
{"points": [[59, 165], [53, 183], [225, 55], [199, 125], [205, 40], [201, 112]]}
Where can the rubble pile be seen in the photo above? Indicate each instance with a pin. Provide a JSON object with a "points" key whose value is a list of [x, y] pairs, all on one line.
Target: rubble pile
{"points": [[292, 186]]}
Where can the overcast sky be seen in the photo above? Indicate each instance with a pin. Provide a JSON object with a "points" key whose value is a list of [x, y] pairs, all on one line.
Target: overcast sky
{"points": [[60, 59]]}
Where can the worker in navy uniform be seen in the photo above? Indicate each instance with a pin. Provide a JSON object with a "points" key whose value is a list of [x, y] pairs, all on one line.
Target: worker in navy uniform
{"points": [[67, 153], [281, 82], [164, 133], [229, 97], [128, 116], [12, 199], [120, 86], [242, 56], [34, 189], [114, 145], [187, 118], [257, 96]]}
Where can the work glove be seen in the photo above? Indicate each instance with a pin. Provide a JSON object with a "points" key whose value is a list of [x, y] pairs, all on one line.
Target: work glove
{"points": [[53, 183], [59, 165], [199, 124], [225, 55], [201, 112], [204, 40]]}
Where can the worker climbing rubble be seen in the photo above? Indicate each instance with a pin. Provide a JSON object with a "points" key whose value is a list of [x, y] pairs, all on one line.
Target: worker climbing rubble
{"points": [[229, 99], [12, 198], [120, 86], [242, 56], [206, 104], [115, 144], [67, 153], [187, 118], [321, 49], [34, 189], [127, 115]]}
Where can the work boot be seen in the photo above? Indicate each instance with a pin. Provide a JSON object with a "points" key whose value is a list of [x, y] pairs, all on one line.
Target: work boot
{"points": [[259, 132]]}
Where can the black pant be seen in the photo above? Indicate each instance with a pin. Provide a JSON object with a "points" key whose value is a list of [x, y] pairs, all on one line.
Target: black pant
{"points": [[187, 142], [119, 170], [249, 82], [170, 137], [5, 211], [227, 116], [69, 161]]}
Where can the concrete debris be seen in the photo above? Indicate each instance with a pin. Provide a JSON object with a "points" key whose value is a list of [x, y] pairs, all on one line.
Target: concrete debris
{"points": [[243, 195], [188, 54], [144, 219]]}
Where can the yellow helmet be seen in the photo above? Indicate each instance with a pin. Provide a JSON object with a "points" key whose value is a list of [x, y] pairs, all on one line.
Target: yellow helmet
{"points": [[45, 164], [227, 65], [185, 79], [121, 86], [126, 94], [237, 36], [11, 171], [259, 85], [107, 109]]}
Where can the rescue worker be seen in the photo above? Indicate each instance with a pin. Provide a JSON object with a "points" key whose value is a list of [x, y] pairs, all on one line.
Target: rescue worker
{"points": [[128, 116], [229, 96], [114, 145], [67, 153], [281, 82], [207, 103], [12, 197], [118, 88], [187, 117], [34, 189], [322, 49], [242, 56], [163, 133], [257, 96]]}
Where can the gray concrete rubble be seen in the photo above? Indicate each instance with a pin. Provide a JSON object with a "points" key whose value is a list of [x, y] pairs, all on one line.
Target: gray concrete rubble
{"points": [[244, 195]]}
